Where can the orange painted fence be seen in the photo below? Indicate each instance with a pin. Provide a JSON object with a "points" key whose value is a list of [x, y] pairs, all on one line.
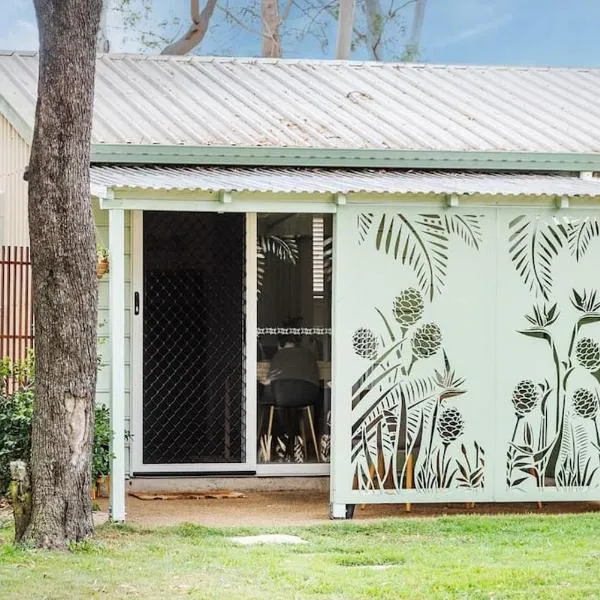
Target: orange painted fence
{"points": [[16, 316]]}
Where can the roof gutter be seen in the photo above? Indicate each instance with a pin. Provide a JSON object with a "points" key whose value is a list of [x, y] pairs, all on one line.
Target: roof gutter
{"points": [[341, 158]]}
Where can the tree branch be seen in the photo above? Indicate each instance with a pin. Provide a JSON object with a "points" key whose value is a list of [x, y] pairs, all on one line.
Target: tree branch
{"points": [[195, 34], [286, 11]]}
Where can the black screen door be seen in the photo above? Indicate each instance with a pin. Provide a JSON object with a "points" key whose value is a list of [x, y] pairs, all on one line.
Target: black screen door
{"points": [[193, 382]]}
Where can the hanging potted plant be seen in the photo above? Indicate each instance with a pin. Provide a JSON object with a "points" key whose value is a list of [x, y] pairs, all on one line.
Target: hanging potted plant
{"points": [[102, 261]]}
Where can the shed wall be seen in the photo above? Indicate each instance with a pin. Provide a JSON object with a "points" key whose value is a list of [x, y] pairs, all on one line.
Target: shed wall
{"points": [[14, 155]]}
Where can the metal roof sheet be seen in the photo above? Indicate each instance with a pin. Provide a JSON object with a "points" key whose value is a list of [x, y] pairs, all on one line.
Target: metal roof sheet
{"points": [[200, 101], [343, 181]]}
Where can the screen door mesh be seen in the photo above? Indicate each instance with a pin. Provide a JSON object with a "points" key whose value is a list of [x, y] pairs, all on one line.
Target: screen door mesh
{"points": [[193, 407]]}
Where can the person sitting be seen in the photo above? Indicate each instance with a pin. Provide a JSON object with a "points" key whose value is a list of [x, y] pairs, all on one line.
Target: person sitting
{"points": [[293, 361], [293, 380]]}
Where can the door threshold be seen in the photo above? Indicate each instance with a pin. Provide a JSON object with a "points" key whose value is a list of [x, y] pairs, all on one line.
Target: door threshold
{"points": [[292, 470], [193, 474]]}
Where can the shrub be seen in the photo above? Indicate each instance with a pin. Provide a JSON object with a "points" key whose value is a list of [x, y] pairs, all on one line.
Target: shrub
{"points": [[16, 411], [102, 439]]}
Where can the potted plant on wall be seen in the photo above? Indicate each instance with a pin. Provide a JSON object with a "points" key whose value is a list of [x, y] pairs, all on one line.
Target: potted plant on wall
{"points": [[102, 260]]}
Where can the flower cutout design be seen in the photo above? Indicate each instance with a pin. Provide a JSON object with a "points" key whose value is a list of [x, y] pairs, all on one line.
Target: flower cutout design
{"points": [[585, 403], [408, 307], [365, 343], [426, 340], [450, 425], [587, 352], [525, 397]]}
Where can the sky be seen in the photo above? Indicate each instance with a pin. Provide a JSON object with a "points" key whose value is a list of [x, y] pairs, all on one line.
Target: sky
{"points": [[526, 32]]}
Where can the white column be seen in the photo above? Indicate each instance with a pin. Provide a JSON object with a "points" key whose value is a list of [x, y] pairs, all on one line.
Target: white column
{"points": [[116, 304]]}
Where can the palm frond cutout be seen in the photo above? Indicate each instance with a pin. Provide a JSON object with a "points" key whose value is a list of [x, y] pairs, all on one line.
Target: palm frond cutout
{"points": [[466, 227], [364, 222], [581, 233], [533, 245], [420, 243]]}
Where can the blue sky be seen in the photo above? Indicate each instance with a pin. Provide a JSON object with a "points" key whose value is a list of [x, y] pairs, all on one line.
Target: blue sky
{"points": [[532, 32]]}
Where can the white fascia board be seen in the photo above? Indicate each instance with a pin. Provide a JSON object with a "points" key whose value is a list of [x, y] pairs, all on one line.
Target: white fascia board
{"points": [[238, 202]]}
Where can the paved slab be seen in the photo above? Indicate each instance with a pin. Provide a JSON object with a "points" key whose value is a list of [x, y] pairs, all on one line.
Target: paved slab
{"points": [[267, 538]]}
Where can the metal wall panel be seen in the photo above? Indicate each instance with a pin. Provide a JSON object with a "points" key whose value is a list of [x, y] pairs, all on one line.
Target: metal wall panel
{"points": [[467, 354], [14, 155]]}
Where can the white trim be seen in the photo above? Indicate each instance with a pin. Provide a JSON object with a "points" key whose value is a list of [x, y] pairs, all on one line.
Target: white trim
{"points": [[336, 457], [238, 205], [251, 325], [116, 243], [137, 344], [137, 339], [292, 470]]}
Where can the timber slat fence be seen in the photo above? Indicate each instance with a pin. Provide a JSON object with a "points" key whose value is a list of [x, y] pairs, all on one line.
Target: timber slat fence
{"points": [[16, 317]]}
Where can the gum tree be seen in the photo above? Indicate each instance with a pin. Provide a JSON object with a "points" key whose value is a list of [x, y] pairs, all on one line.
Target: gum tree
{"points": [[63, 274]]}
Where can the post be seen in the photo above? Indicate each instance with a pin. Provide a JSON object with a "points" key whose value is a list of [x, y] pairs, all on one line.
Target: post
{"points": [[20, 496], [344, 29], [116, 304]]}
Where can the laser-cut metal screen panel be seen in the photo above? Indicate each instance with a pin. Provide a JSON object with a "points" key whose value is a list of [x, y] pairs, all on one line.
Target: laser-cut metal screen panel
{"points": [[193, 407], [467, 354]]}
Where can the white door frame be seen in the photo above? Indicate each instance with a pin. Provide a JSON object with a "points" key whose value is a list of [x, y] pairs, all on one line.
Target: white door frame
{"points": [[137, 355]]}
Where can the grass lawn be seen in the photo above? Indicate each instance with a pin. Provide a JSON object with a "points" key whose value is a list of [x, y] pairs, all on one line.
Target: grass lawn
{"points": [[447, 557]]}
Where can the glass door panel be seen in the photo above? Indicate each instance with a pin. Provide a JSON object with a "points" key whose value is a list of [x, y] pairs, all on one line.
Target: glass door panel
{"points": [[294, 338]]}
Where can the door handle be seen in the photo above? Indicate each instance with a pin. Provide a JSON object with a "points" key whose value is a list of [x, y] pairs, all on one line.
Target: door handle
{"points": [[136, 303]]}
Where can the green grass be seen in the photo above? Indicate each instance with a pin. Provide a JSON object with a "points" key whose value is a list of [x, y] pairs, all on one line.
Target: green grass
{"points": [[448, 557]]}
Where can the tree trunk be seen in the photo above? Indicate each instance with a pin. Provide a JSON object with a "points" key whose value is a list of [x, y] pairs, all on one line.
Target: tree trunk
{"points": [[63, 274], [413, 48], [344, 29], [271, 43], [375, 27], [197, 30]]}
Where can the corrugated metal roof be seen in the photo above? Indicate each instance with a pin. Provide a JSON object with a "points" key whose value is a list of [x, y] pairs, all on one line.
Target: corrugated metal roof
{"points": [[201, 101], [331, 181]]}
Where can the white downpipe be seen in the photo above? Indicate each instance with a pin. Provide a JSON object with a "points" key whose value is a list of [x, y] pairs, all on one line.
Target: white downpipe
{"points": [[116, 243]]}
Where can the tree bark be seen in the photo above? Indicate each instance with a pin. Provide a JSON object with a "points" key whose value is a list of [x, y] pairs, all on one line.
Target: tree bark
{"points": [[271, 42], [63, 274]]}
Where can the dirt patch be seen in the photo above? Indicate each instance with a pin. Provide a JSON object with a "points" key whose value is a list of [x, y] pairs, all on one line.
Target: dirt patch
{"points": [[264, 509]]}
